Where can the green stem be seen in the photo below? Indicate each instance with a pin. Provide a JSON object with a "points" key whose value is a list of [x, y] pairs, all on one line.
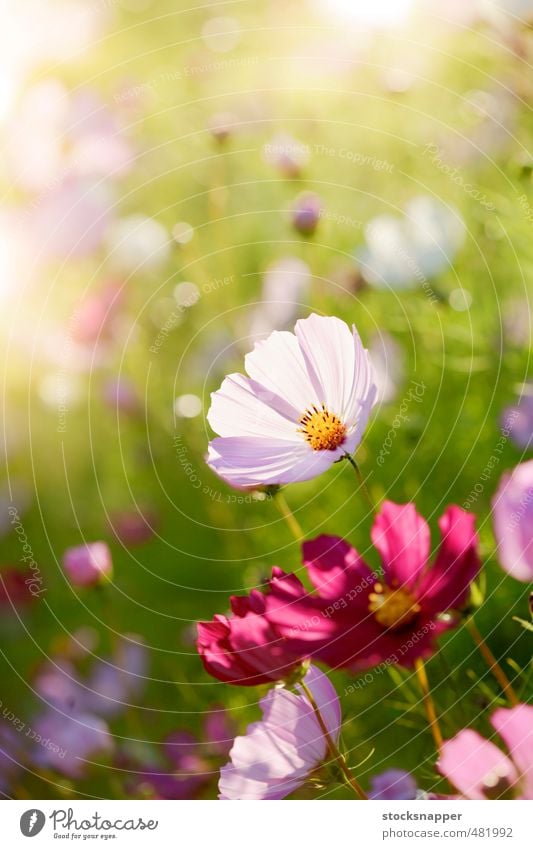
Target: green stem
{"points": [[288, 515], [362, 482], [334, 751]]}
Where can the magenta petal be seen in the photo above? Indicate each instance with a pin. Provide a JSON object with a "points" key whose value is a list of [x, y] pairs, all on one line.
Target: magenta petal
{"points": [[515, 727], [468, 761], [402, 538], [333, 565], [446, 585]]}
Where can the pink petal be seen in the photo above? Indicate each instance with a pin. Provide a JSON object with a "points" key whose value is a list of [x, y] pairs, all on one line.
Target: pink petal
{"points": [[468, 759], [515, 726], [402, 538], [446, 584], [333, 565]]}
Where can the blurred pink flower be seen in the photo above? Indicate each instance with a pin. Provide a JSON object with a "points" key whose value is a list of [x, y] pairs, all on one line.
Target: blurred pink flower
{"points": [[287, 154], [480, 770], [357, 618], [134, 527], [15, 588], [512, 508], [244, 649], [304, 405], [286, 746], [55, 134], [88, 564]]}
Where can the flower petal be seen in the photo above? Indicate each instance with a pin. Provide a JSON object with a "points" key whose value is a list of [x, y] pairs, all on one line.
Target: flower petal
{"points": [[402, 538], [257, 461], [334, 567], [446, 584], [338, 366], [278, 365], [468, 760], [515, 726], [243, 408]]}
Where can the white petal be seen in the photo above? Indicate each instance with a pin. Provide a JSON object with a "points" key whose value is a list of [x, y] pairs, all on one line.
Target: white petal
{"points": [[256, 461], [279, 366], [240, 408]]}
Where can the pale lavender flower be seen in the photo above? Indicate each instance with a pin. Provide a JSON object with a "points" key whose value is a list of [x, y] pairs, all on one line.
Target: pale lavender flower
{"points": [[393, 784], [287, 745], [69, 744], [517, 419], [303, 406], [513, 521], [306, 213]]}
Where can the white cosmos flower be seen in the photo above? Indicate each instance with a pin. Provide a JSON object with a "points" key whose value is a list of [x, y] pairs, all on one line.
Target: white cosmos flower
{"points": [[303, 406]]}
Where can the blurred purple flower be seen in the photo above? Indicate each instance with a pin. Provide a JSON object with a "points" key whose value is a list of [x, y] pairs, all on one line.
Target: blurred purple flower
{"points": [[187, 764], [306, 213], [517, 419], [69, 743], [120, 393], [512, 508], [393, 784]]}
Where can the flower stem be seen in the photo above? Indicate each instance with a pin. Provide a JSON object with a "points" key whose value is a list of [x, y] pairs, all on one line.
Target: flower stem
{"points": [[288, 515], [491, 662], [429, 705], [360, 478], [334, 751]]}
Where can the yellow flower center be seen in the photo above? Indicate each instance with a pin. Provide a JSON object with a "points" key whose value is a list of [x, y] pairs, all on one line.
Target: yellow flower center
{"points": [[392, 607], [323, 430]]}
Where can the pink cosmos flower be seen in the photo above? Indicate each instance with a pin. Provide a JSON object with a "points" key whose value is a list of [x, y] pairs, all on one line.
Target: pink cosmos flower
{"points": [[303, 406], [286, 746], [480, 770], [88, 564], [356, 618], [306, 213], [243, 648], [513, 521]]}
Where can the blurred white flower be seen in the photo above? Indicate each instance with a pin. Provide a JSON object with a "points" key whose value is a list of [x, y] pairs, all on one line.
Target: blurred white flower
{"points": [[285, 286], [138, 242], [400, 252]]}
